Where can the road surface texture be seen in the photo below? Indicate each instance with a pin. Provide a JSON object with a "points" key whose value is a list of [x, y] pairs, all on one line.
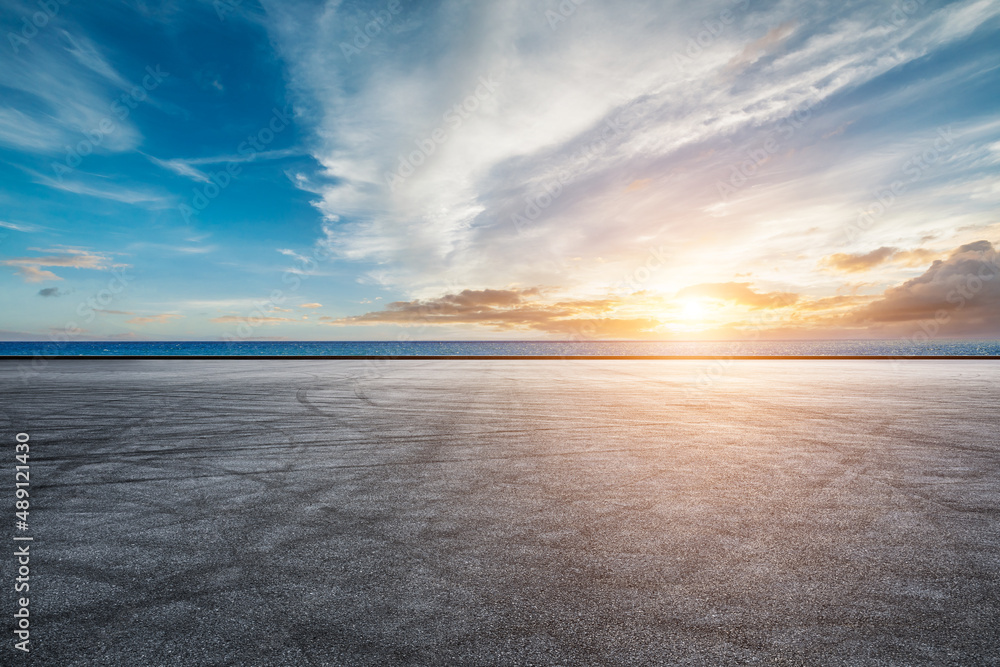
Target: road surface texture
{"points": [[257, 512]]}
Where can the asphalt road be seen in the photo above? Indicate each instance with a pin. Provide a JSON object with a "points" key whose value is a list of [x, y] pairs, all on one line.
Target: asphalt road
{"points": [[508, 512]]}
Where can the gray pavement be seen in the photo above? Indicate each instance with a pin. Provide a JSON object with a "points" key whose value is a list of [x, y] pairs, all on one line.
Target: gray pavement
{"points": [[509, 512]]}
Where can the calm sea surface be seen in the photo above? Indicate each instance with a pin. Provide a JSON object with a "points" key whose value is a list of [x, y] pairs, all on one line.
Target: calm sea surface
{"points": [[517, 348]]}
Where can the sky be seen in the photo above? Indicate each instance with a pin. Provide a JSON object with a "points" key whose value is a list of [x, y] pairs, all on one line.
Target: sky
{"points": [[452, 169]]}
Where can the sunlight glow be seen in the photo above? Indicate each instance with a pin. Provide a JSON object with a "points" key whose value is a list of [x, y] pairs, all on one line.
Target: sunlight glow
{"points": [[693, 310]]}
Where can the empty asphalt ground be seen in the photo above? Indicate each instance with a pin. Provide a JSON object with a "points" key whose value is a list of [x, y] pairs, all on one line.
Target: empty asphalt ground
{"points": [[258, 512]]}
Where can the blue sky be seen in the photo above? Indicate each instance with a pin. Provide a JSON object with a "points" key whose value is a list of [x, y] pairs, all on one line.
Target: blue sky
{"points": [[574, 169]]}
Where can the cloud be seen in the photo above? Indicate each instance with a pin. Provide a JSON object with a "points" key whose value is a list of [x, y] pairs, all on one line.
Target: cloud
{"points": [[51, 292], [32, 274], [564, 142], [61, 89], [186, 166], [119, 193], [162, 318], [236, 319], [27, 229], [961, 294], [740, 293], [181, 249], [74, 258], [310, 305], [849, 263], [766, 44], [183, 168], [506, 310], [832, 303], [587, 157], [84, 51], [856, 263]]}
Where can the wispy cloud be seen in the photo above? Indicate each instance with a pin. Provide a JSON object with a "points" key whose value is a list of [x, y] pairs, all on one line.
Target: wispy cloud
{"points": [[237, 319], [104, 190], [188, 167], [29, 268], [64, 86], [766, 44], [21, 227], [564, 138], [86, 53], [648, 168], [162, 318], [32, 274], [182, 168]]}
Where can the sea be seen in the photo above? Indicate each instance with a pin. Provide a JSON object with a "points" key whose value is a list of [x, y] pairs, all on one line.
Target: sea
{"points": [[775, 348]]}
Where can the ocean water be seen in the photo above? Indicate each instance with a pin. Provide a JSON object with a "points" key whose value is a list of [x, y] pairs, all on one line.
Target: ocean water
{"points": [[896, 347]]}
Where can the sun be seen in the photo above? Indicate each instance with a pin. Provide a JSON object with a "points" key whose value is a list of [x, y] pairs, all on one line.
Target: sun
{"points": [[693, 310]]}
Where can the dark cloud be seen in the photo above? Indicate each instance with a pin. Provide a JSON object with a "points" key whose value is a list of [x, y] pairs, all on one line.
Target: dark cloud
{"points": [[508, 310], [51, 291], [740, 293], [488, 297], [960, 294]]}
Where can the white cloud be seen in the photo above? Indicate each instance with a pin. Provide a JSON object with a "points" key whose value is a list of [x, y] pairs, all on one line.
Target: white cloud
{"points": [[107, 190], [182, 168], [685, 121], [29, 268], [64, 88], [20, 227]]}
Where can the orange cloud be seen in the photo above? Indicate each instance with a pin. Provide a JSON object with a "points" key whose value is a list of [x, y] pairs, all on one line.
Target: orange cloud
{"points": [[162, 318], [32, 274], [231, 319], [832, 303], [508, 310], [29, 268], [740, 293], [856, 263]]}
